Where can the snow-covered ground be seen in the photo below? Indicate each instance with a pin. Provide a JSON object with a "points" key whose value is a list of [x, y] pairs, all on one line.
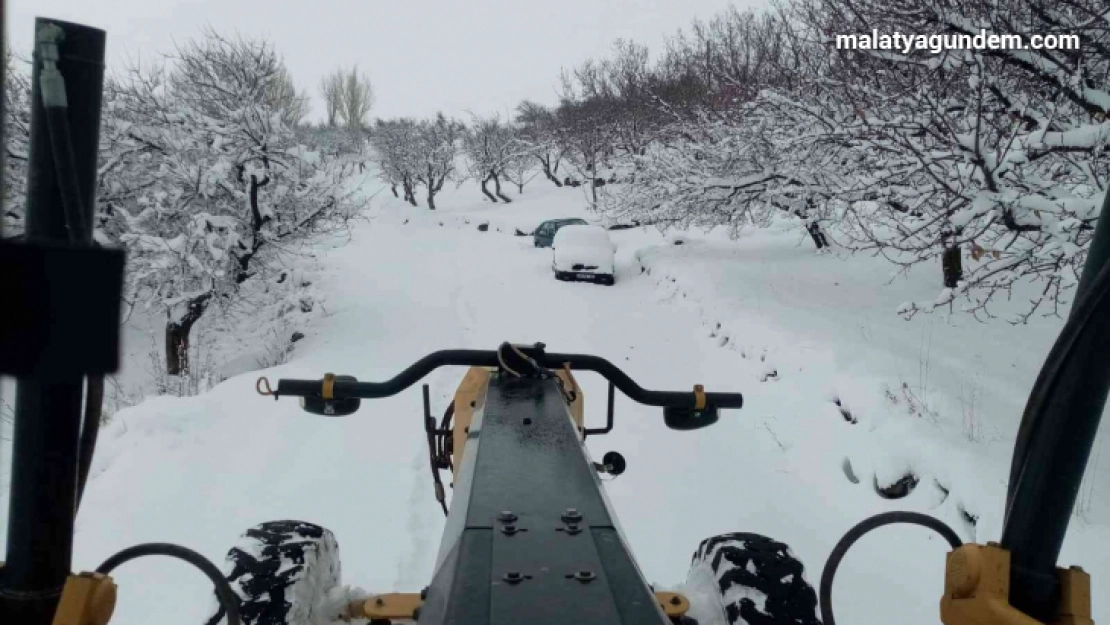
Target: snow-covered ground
{"points": [[836, 384]]}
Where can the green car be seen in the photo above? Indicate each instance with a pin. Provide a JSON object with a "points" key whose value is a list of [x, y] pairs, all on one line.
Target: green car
{"points": [[545, 232]]}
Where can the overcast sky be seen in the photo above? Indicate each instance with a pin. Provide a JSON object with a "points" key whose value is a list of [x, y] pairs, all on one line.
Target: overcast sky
{"points": [[421, 55]]}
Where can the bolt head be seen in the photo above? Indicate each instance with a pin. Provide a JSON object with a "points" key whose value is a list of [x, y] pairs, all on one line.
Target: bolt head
{"points": [[506, 516], [572, 515]]}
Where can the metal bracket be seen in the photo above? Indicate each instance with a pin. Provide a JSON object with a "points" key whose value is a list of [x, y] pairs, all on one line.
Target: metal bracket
{"points": [[977, 590], [88, 599]]}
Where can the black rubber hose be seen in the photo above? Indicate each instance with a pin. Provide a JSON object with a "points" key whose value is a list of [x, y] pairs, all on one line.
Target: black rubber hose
{"points": [[229, 601], [857, 532], [86, 447]]}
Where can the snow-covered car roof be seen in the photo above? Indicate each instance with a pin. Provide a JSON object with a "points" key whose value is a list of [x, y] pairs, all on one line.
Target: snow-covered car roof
{"points": [[582, 235]]}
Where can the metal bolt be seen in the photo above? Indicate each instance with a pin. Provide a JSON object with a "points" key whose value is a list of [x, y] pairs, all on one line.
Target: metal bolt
{"points": [[379, 601], [585, 576], [506, 516], [675, 600], [416, 613], [424, 593], [572, 529], [509, 529], [513, 577], [572, 515]]}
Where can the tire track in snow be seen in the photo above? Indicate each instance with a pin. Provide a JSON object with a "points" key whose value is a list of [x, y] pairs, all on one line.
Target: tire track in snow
{"points": [[419, 531], [423, 531]]}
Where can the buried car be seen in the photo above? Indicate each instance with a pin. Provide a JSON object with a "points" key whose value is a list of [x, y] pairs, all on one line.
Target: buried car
{"points": [[584, 253], [545, 232]]}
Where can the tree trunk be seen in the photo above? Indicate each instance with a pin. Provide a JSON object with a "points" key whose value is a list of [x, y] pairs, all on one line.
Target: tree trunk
{"points": [[431, 197], [393, 188], [410, 193], [952, 266], [593, 187], [177, 337], [497, 189], [818, 237], [546, 165], [486, 191]]}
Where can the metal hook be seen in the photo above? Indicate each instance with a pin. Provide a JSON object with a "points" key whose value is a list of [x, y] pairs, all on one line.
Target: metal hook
{"points": [[264, 383]]}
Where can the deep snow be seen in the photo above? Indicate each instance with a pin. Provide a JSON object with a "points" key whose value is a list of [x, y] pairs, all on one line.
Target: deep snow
{"points": [[811, 340]]}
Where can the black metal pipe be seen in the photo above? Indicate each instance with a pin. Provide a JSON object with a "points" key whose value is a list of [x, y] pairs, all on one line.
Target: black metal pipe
{"points": [[81, 63], [609, 418], [484, 358], [48, 406], [1057, 432]]}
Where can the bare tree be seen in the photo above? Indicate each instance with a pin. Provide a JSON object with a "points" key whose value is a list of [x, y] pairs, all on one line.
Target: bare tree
{"points": [[490, 147], [356, 99], [224, 190], [537, 128], [331, 87], [395, 144], [437, 149], [283, 96], [521, 168]]}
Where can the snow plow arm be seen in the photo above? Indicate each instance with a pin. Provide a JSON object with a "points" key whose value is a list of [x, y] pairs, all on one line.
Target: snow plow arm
{"points": [[351, 389]]}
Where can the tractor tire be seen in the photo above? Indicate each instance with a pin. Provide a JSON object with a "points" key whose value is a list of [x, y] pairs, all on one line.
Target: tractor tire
{"points": [[748, 579], [282, 572]]}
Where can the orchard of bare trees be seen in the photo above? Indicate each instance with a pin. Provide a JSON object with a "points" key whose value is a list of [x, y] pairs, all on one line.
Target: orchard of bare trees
{"points": [[986, 164]]}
